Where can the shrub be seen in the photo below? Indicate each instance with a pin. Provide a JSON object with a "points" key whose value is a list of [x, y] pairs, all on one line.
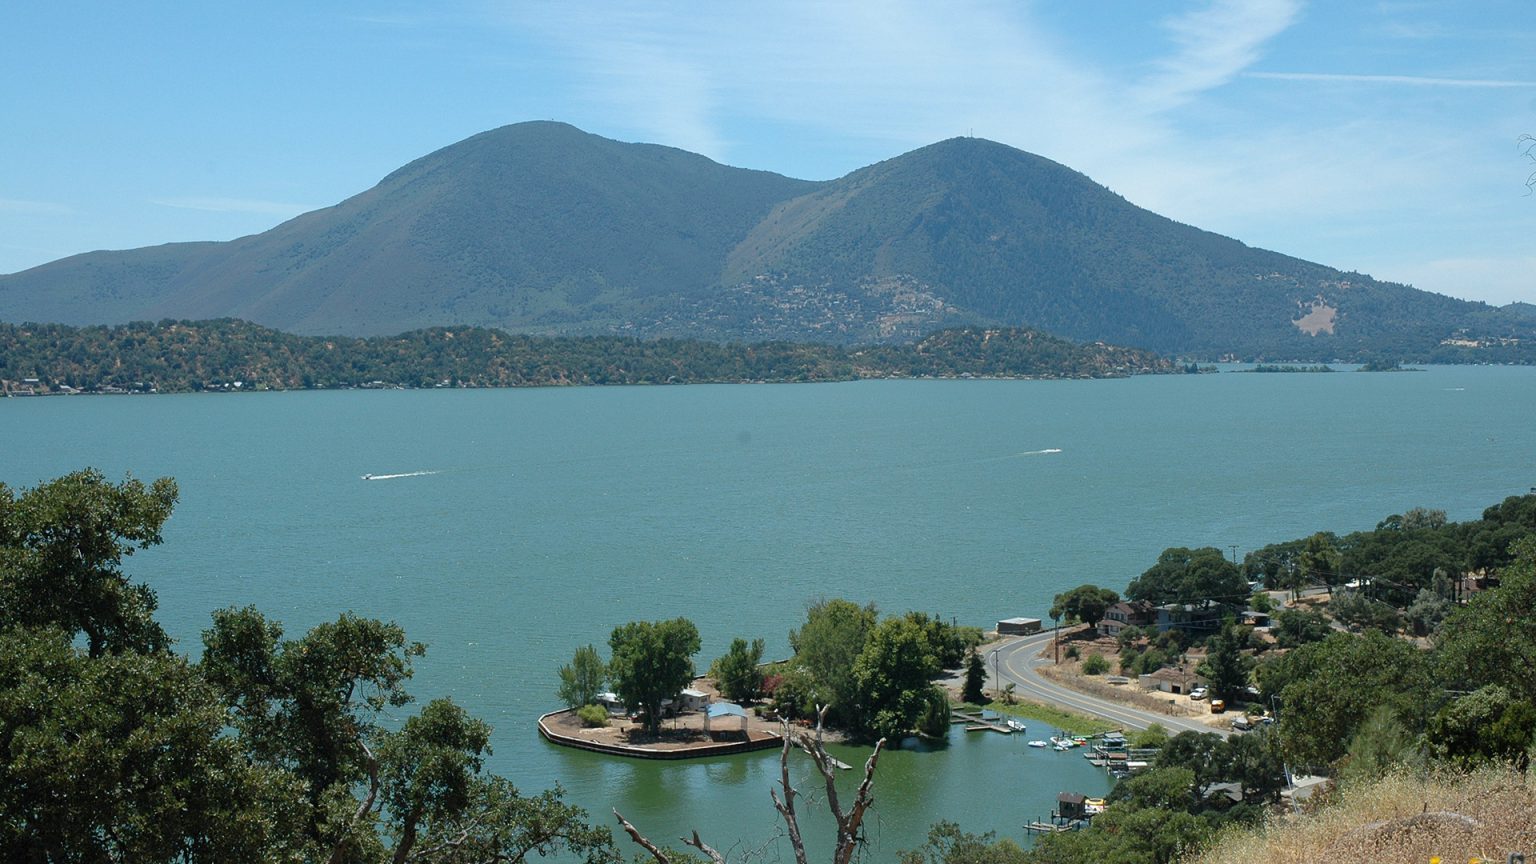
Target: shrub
{"points": [[1072, 653], [1095, 664], [593, 715]]}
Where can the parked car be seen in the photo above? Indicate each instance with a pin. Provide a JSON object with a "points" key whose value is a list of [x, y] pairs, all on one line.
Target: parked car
{"points": [[1218, 706], [1198, 693], [1241, 724]]}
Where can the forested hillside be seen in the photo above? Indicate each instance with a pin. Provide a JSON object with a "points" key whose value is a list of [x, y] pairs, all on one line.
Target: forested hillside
{"points": [[224, 355]]}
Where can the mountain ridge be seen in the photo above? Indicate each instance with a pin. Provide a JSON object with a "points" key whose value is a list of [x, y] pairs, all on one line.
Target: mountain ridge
{"points": [[542, 228]]}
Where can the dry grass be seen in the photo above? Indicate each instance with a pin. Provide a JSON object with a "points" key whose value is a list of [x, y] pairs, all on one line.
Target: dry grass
{"points": [[1402, 819]]}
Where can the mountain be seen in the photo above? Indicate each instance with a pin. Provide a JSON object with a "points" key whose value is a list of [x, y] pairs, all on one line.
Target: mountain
{"points": [[543, 228]]}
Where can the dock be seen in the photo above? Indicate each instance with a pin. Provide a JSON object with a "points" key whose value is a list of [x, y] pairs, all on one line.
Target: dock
{"points": [[977, 723]]}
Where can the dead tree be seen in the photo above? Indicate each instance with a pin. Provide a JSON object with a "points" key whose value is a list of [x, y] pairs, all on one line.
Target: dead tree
{"points": [[849, 823]]}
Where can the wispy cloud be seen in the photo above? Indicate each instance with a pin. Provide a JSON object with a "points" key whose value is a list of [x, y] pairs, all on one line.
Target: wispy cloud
{"points": [[1411, 80], [39, 208], [231, 205], [1214, 44]]}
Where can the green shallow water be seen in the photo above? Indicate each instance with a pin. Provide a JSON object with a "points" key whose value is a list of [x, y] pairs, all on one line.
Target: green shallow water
{"points": [[551, 516]]}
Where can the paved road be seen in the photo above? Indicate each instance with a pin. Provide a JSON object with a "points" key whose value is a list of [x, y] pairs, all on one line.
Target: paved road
{"points": [[1016, 662]]}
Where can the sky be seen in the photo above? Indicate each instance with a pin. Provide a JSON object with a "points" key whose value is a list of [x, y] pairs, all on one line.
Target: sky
{"points": [[1378, 137]]}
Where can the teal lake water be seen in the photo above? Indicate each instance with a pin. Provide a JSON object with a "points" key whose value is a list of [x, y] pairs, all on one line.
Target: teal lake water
{"points": [[550, 516]]}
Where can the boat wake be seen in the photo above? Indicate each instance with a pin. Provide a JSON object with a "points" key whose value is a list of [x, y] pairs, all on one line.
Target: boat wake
{"points": [[398, 476], [1039, 452]]}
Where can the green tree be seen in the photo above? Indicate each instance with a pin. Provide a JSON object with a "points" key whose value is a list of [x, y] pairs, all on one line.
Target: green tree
{"points": [[313, 706], [1318, 563], [1095, 664], [975, 680], [739, 671], [61, 549], [947, 844], [583, 678], [652, 661], [1486, 641], [114, 748], [123, 757], [1381, 744], [1226, 666], [1327, 688], [1253, 761], [1170, 788], [1489, 724], [1193, 576], [827, 645], [429, 769], [1085, 603], [892, 675], [1296, 627], [933, 720]]}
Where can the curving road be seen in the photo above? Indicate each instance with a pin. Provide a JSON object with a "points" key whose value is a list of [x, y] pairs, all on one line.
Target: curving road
{"points": [[1016, 662]]}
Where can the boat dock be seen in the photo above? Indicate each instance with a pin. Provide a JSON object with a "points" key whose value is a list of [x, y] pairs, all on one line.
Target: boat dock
{"points": [[977, 723]]}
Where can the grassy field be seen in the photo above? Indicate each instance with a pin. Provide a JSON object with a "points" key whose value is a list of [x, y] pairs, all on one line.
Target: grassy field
{"points": [[1406, 818], [1053, 717]]}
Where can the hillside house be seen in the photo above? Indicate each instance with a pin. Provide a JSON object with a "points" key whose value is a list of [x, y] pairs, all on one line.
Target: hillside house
{"points": [[1126, 614]]}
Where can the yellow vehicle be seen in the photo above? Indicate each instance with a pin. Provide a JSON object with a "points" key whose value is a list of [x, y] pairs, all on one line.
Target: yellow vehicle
{"points": [[1218, 706]]}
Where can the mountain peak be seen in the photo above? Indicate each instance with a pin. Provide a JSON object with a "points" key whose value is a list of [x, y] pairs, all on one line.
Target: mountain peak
{"points": [[541, 227]]}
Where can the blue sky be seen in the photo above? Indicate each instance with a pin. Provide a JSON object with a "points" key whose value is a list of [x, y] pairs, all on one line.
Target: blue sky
{"points": [[1372, 136]]}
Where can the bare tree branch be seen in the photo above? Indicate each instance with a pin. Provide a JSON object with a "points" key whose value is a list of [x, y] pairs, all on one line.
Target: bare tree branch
{"points": [[635, 835], [700, 845], [786, 807]]}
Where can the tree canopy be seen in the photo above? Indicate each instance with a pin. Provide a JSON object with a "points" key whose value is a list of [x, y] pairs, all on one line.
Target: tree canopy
{"points": [[113, 747], [1190, 576], [652, 661]]}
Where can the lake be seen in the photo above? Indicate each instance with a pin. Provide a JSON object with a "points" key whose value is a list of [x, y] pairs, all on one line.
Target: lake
{"points": [[524, 523]]}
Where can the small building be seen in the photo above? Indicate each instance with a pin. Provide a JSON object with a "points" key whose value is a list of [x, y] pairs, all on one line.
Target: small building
{"points": [[1018, 626], [1070, 805], [1255, 618], [612, 702], [1170, 680], [692, 700], [717, 721]]}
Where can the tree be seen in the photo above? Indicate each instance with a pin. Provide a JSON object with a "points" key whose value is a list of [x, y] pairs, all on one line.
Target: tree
{"points": [[1095, 664], [975, 680], [312, 705], [123, 757], [1253, 761], [652, 661], [1195, 576], [1489, 724], [61, 549], [1381, 744], [827, 645], [429, 769], [933, 720], [1295, 627], [1484, 642], [892, 675], [1085, 603], [1326, 689], [739, 671], [583, 678], [1318, 563], [947, 844], [115, 748], [1226, 667]]}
